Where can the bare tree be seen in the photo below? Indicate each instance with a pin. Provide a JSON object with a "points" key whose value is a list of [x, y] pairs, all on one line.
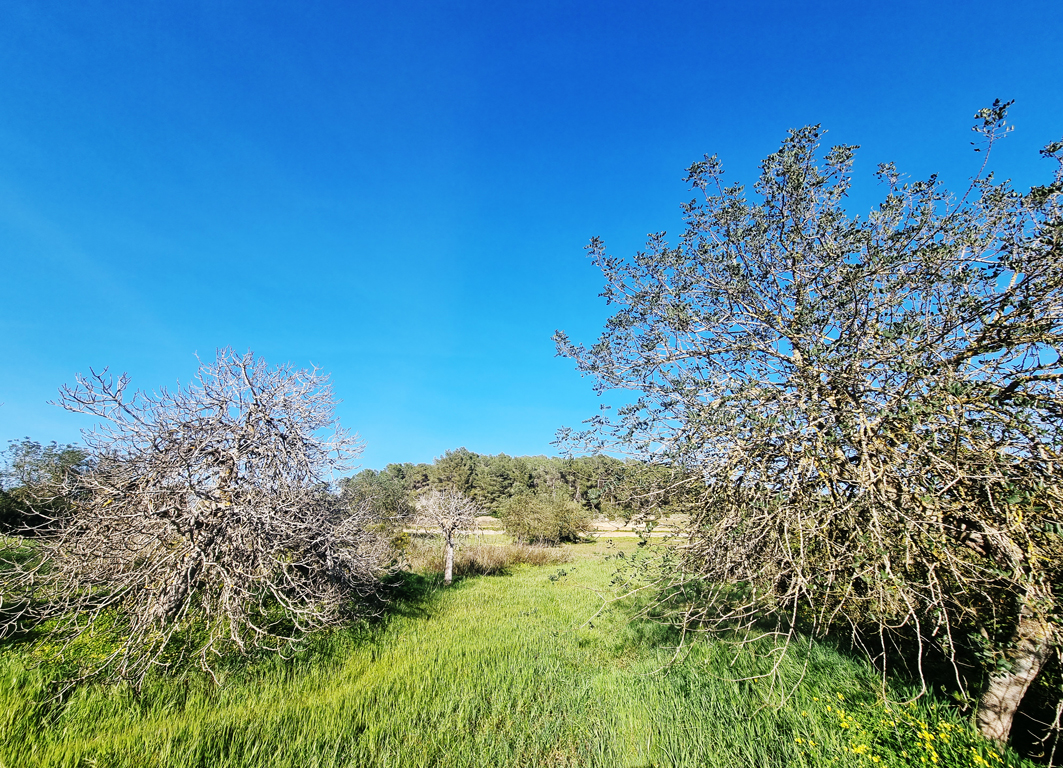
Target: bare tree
{"points": [[205, 522], [451, 512], [874, 405]]}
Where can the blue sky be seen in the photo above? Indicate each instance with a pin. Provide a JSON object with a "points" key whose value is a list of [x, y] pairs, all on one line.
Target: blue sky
{"points": [[400, 192]]}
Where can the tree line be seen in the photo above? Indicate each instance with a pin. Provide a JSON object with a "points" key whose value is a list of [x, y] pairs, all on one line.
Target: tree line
{"points": [[600, 484]]}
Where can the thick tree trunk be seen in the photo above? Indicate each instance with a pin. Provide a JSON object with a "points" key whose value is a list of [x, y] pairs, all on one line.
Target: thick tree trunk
{"points": [[448, 569], [1031, 647]]}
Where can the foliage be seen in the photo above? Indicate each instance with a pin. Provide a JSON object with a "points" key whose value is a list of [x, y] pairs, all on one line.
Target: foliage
{"points": [[540, 519], [204, 523], [380, 497], [899, 734], [380, 490], [603, 485], [30, 484], [457, 470], [875, 404]]}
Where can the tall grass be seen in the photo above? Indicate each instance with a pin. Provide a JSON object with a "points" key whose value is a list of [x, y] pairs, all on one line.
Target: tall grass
{"points": [[510, 671], [479, 558]]}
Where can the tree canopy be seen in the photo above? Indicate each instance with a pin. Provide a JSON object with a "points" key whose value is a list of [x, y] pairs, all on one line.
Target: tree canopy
{"points": [[873, 403]]}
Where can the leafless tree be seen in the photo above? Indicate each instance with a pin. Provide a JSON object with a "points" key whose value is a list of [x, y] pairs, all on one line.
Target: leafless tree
{"points": [[205, 523], [451, 512], [874, 405]]}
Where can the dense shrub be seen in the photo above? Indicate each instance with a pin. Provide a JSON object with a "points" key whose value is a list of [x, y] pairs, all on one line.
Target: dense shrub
{"points": [[540, 519]]}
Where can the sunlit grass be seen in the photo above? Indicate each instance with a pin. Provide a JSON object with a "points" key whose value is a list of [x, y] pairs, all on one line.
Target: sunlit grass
{"points": [[477, 557], [494, 671]]}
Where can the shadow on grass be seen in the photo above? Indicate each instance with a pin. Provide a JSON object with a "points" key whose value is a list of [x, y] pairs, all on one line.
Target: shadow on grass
{"points": [[62, 667], [655, 620], [410, 595], [914, 669]]}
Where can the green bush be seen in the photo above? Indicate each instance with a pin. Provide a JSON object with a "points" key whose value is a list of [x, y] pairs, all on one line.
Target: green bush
{"points": [[540, 519]]}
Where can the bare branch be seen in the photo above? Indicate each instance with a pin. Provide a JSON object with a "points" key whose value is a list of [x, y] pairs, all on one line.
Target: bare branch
{"points": [[205, 523]]}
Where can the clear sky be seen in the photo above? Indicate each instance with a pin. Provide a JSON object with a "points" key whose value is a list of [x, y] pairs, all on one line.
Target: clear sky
{"points": [[400, 192]]}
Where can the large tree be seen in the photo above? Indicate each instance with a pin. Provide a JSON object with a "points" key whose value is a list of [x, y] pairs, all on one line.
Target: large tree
{"points": [[873, 403], [204, 522]]}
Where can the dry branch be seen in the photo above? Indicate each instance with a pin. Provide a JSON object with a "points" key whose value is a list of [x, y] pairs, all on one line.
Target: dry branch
{"points": [[205, 523]]}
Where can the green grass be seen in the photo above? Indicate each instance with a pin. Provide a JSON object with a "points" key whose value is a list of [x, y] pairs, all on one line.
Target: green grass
{"points": [[495, 671]]}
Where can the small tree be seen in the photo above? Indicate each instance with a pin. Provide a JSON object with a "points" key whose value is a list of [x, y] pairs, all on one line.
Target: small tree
{"points": [[205, 522], [451, 512], [874, 404]]}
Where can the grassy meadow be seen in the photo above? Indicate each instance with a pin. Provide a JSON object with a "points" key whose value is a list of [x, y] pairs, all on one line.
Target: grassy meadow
{"points": [[513, 669]]}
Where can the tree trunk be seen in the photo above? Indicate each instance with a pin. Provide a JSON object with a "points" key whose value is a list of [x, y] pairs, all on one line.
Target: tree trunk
{"points": [[448, 569], [1030, 649]]}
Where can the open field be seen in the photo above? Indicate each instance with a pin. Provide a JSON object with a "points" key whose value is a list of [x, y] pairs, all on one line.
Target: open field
{"points": [[509, 670]]}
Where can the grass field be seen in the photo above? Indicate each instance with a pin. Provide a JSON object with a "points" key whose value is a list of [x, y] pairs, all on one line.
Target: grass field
{"points": [[495, 671]]}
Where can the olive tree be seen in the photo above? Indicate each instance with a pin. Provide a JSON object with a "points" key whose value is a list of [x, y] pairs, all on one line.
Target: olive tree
{"points": [[452, 513], [873, 404], [204, 523]]}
